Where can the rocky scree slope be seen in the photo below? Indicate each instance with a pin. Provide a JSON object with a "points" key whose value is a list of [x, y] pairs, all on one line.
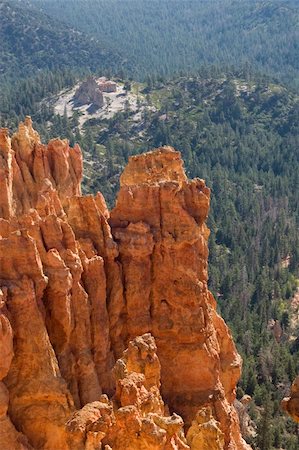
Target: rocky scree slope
{"points": [[80, 284]]}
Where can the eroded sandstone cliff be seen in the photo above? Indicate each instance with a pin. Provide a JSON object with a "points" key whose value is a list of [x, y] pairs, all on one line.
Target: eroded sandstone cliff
{"points": [[79, 285]]}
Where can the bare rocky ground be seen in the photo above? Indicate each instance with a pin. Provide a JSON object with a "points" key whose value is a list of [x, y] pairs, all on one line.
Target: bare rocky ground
{"points": [[114, 102], [294, 319]]}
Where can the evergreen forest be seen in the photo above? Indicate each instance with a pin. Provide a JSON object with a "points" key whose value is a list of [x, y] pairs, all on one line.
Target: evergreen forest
{"points": [[172, 36], [219, 81]]}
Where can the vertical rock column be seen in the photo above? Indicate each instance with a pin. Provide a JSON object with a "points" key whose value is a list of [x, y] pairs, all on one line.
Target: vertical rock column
{"points": [[6, 175], [54, 289], [159, 225], [9, 437], [77, 286]]}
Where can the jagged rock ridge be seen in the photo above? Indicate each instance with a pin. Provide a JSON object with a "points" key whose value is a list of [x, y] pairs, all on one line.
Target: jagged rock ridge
{"points": [[79, 284]]}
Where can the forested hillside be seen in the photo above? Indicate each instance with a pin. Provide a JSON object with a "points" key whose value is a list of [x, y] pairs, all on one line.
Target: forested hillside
{"points": [[173, 36], [238, 129], [32, 42], [241, 135]]}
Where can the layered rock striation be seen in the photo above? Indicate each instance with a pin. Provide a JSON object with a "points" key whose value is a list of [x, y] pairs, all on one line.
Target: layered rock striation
{"points": [[80, 284]]}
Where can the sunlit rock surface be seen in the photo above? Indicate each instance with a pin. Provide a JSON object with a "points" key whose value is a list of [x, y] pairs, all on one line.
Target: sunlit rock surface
{"points": [[79, 285]]}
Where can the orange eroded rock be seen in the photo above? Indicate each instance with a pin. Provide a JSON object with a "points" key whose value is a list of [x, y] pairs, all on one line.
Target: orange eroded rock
{"points": [[159, 225], [291, 404], [9, 437], [79, 287], [140, 420]]}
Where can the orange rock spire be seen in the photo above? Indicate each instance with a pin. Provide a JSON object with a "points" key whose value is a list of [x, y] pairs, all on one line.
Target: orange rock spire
{"points": [[78, 287]]}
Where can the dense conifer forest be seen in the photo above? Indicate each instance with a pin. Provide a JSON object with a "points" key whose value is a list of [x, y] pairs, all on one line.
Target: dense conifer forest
{"points": [[238, 128], [173, 36], [32, 42]]}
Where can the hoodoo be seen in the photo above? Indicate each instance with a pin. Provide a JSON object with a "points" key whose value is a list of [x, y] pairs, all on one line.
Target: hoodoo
{"points": [[79, 285]]}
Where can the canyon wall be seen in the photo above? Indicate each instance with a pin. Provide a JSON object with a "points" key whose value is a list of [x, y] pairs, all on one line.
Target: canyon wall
{"points": [[79, 285]]}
